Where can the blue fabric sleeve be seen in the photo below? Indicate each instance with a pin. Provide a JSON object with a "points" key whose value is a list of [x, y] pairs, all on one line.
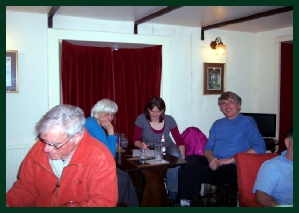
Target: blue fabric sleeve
{"points": [[97, 131], [254, 136], [228, 137]]}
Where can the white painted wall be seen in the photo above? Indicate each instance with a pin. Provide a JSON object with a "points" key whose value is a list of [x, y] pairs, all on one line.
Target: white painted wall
{"points": [[27, 33], [251, 68]]}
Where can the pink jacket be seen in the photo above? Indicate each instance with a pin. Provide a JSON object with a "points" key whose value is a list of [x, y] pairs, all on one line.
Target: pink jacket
{"points": [[195, 141], [90, 178]]}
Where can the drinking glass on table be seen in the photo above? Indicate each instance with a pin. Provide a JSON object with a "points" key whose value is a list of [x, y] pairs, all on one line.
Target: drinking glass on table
{"points": [[118, 144], [142, 155], [158, 151]]}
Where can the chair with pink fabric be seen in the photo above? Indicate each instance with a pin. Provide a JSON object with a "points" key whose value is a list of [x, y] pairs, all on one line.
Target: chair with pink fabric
{"points": [[195, 141]]}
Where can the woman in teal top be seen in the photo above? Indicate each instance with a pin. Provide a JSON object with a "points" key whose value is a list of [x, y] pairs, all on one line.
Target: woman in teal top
{"points": [[102, 115], [99, 125]]}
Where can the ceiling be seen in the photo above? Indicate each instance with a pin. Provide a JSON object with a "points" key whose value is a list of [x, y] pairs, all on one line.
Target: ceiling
{"points": [[189, 16]]}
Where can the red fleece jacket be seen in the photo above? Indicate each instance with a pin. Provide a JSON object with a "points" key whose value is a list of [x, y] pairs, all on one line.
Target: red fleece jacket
{"points": [[90, 178]]}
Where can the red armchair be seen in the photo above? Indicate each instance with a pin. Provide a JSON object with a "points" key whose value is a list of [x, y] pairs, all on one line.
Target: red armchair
{"points": [[247, 168]]}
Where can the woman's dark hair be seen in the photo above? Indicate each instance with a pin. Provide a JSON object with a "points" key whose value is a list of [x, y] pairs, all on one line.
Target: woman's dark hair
{"points": [[155, 102]]}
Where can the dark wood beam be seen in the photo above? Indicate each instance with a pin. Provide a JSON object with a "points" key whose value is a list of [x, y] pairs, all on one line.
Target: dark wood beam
{"points": [[246, 18], [153, 15], [51, 15]]}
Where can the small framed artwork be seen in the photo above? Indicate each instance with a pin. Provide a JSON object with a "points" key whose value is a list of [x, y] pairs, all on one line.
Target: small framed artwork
{"points": [[12, 71], [213, 78]]}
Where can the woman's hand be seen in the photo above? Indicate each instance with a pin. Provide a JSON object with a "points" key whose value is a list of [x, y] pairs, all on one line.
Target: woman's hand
{"points": [[141, 145], [106, 124], [182, 150], [144, 146]]}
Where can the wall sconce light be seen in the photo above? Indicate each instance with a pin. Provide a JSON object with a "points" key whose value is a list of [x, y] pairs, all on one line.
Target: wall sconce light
{"points": [[219, 46]]}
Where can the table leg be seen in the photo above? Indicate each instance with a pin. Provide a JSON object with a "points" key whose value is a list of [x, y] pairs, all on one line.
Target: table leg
{"points": [[154, 193]]}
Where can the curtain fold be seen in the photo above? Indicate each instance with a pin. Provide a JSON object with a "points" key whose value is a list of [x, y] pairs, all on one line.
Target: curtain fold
{"points": [[82, 72], [138, 79], [130, 77]]}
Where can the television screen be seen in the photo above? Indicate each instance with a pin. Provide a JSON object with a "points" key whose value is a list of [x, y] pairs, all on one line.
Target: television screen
{"points": [[265, 122]]}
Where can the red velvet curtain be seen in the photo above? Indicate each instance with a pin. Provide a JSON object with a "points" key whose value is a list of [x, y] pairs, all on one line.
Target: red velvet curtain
{"points": [[286, 92], [138, 79], [82, 72], [130, 77]]}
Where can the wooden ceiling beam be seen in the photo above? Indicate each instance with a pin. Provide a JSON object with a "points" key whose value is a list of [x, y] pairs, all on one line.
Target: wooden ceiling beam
{"points": [[51, 14], [153, 15], [246, 18]]}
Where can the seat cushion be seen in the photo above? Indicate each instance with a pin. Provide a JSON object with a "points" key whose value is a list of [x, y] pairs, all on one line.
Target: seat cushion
{"points": [[248, 166]]}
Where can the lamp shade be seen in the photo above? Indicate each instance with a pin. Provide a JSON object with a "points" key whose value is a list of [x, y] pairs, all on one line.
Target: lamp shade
{"points": [[220, 49]]}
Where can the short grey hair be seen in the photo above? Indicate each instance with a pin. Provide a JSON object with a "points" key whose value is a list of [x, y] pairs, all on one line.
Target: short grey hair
{"points": [[69, 118], [229, 95], [104, 105]]}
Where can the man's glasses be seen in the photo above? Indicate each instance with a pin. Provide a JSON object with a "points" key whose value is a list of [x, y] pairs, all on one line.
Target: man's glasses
{"points": [[54, 144], [230, 103]]}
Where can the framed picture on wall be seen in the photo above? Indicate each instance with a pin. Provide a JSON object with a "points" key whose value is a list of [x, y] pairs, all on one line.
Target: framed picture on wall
{"points": [[213, 82], [12, 71]]}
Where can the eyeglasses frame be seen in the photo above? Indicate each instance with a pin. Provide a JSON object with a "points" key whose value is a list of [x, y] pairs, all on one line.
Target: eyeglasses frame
{"points": [[53, 145], [229, 103]]}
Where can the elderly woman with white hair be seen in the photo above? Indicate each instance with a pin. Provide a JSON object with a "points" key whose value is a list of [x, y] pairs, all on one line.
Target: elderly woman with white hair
{"points": [[101, 118]]}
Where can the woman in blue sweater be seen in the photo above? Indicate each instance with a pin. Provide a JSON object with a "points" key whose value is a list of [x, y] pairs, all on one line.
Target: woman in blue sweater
{"points": [[100, 121]]}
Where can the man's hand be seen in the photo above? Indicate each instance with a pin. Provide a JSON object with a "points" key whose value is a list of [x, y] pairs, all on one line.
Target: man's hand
{"points": [[226, 161], [214, 164]]}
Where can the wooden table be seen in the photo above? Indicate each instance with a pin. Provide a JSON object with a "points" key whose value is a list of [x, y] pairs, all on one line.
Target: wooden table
{"points": [[154, 192]]}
